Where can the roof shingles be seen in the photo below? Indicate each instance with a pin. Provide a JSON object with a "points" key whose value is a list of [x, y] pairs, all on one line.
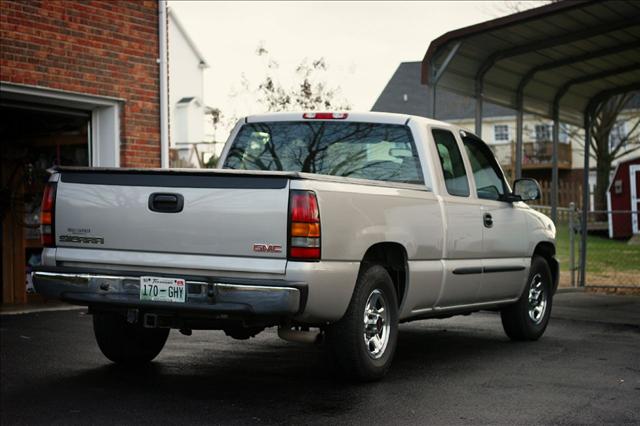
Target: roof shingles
{"points": [[405, 95]]}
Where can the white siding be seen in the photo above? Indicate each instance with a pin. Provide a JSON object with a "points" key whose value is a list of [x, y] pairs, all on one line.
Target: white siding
{"points": [[186, 77]]}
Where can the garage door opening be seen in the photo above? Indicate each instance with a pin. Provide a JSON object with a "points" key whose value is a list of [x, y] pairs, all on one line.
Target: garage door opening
{"points": [[33, 138]]}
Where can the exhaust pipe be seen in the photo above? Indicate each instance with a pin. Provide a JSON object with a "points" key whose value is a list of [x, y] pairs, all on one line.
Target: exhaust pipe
{"points": [[299, 336]]}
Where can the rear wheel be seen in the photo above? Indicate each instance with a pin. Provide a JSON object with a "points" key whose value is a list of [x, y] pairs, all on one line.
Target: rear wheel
{"points": [[126, 343], [527, 319], [364, 341]]}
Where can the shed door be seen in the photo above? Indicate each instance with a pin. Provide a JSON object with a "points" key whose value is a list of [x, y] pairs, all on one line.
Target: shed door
{"points": [[634, 175]]}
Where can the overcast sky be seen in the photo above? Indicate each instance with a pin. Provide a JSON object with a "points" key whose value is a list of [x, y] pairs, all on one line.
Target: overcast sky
{"points": [[362, 42]]}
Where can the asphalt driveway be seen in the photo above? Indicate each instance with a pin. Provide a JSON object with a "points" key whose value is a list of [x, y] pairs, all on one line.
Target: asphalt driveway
{"points": [[585, 369]]}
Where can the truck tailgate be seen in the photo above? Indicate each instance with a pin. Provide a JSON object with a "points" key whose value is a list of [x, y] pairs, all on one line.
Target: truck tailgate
{"points": [[222, 214]]}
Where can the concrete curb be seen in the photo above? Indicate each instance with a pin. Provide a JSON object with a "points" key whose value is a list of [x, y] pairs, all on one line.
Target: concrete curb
{"points": [[621, 290], [570, 290]]}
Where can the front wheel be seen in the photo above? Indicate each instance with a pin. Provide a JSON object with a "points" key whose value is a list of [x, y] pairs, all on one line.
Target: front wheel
{"points": [[527, 319], [364, 341], [126, 343]]}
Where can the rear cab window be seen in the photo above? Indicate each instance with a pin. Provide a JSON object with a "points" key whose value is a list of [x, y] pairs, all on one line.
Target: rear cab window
{"points": [[374, 151], [453, 171]]}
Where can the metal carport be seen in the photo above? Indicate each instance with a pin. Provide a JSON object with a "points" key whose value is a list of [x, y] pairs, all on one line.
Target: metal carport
{"points": [[559, 61]]}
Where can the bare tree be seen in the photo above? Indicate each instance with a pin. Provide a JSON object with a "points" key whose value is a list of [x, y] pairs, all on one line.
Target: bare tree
{"points": [[215, 115], [508, 7], [308, 92], [604, 149]]}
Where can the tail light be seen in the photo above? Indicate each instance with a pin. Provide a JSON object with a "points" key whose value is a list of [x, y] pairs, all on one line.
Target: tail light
{"points": [[304, 228], [47, 213]]}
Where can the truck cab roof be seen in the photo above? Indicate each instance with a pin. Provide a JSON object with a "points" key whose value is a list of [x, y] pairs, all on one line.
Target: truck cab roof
{"points": [[351, 116]]}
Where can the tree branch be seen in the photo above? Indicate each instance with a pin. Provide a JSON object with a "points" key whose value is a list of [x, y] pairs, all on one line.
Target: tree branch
{"points": [[629, 151]]}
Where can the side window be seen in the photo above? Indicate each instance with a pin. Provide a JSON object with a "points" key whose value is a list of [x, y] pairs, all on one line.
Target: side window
{"points": [[455, 176], [489, 180]]}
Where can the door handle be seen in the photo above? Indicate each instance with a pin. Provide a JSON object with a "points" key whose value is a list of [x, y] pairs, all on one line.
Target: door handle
{"points": [[488, 220], [166, 203]]}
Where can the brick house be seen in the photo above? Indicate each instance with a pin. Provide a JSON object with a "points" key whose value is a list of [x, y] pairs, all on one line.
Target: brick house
{"points": [[80, 84]]}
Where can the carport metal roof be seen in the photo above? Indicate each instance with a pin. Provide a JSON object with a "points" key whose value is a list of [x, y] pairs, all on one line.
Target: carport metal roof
{"points": [[558, 61], [570, 50]]}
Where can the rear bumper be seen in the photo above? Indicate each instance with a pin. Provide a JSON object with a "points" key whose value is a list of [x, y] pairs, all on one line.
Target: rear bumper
{"points": [[213, 295]]}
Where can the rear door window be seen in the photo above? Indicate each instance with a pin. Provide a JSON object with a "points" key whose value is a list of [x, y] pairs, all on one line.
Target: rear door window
{"points": [[453, 171], [383, 152]]}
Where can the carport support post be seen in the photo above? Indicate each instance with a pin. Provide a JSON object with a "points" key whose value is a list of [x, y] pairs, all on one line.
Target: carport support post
{"points": [[433, 100], [432, 87], [436, 73], [572, 236], [519, 137], [585, 198], [554, 163], [479, 109]]}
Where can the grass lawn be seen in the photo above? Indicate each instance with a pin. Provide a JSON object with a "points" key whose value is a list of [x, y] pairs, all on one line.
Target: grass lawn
{"points": [[606, 259]]}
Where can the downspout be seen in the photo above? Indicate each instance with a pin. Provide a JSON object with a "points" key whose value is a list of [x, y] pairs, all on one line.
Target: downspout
{"points": [[164, 92]]}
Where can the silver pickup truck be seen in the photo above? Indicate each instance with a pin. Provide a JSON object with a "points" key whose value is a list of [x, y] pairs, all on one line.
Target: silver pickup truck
{"points": [[333, 227]]}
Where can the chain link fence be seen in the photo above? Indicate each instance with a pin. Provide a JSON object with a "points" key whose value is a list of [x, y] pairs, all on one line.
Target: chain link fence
{"points": [[612, 265]]}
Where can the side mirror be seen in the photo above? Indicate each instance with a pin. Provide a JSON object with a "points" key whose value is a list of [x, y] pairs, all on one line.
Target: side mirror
{"points": [[527, 189]]}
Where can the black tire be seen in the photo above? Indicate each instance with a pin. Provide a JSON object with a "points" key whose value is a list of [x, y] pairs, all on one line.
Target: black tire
{"points": [[517, 321], [125, 343], [346, 339]]}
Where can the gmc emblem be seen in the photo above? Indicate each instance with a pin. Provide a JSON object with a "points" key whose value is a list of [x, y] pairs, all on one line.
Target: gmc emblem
{"points": [[267, 248]]}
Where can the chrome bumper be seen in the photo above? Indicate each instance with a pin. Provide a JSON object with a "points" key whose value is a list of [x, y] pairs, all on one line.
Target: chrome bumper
{"points": [[259, 297]]}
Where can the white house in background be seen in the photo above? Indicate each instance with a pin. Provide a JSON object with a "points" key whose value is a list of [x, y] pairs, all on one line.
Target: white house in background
{"points": [[187, 112]]}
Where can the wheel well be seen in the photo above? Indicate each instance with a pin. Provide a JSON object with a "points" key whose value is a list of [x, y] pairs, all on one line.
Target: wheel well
{"points": [[548, 252], [393, 257]]}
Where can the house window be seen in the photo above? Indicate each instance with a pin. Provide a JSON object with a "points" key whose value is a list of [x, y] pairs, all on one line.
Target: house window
{"points": [[617, 135], [543, 133], [501, 133], [564, 133]]}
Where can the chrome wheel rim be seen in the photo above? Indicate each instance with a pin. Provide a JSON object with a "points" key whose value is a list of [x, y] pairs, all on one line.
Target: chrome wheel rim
{"points": [[537, 299], [376, 324]]}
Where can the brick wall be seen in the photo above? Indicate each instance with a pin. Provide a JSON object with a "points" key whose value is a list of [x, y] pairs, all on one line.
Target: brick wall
{"points": [[106, 48]]}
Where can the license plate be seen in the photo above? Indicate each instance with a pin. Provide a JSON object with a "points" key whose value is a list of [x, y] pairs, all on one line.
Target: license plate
{"points": [[159, 289]]}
